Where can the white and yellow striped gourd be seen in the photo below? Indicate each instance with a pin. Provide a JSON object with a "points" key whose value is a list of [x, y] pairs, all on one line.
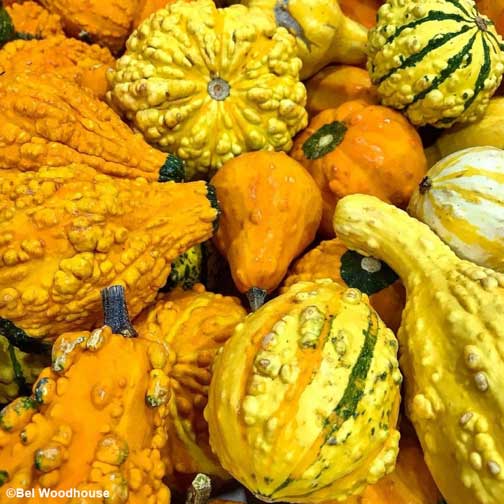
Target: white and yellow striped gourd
{"points": [[462, 200]]}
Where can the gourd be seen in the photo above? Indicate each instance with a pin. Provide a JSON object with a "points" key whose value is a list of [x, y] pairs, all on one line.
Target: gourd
{"points": [[186, 270], [361, 148], [68, 58], [450, 336], [462, 200], [147, 7], [30, 17], [331, 259], [363, 11], [337, 84], [270, 214], [96, 418], [193, 325], [487, 132], [437, 62], [18, 370], [323, 33], [204, 105], [106, 23], [67, 232], [304, 397], [494, 9], [47, 120]]}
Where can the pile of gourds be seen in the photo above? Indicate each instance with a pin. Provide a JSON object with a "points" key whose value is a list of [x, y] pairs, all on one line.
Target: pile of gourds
{"points": [[260, 242]]}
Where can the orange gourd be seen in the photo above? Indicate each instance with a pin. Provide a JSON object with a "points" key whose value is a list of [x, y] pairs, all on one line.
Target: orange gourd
{"points": [[337, 84], [30, 17], [363, 11], [361, 148], [494, 9], [331, 259], [271, 210]]}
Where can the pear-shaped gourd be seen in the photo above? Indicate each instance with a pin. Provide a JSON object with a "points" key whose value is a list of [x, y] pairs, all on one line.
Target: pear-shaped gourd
{"points": [[452, 337]]}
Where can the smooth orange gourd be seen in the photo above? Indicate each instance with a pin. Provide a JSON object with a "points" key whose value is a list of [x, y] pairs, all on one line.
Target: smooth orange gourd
{"points": [[271, 209], [30, 17], [494, 9], [361, 148], [363, 11]]}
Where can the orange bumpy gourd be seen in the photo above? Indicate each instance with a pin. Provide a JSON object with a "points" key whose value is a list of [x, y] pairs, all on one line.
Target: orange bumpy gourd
{"points": [[70, 59], [271, 210], [30, 17], [47, 120], [331, 259], [361, 148], [363, 11], [193, 325], [96, 419], [65, 233], [107, 23]]}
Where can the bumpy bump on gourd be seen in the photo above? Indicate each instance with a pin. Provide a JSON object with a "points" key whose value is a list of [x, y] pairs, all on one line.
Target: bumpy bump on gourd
{"points": [[437, 61], [67, 232], [48, 120], [452, 356], [209, 84], [305, 395], [193, 325], [30, 17]]}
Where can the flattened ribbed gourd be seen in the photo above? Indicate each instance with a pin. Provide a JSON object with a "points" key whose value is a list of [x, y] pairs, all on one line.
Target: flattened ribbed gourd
{"points": [[438, 61], [208, 84], [65, 233], [304, 397]]}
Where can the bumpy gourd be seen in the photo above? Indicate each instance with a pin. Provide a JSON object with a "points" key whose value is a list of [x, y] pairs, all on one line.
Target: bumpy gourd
{"points": [[96, 419], [323, 33], [106, 23], [68, 58], [437, 61], [462, 200], [193, 325], [30, 17], [186, 270], [331, 259], [451, 338], [201, 102], [18, 370], [304, 398], [271, 209], [47, 120], [361, 148], [147, 7], [65, 233]]}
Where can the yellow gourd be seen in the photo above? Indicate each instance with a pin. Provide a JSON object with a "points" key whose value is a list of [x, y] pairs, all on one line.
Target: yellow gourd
{"points": [[452, 355]]}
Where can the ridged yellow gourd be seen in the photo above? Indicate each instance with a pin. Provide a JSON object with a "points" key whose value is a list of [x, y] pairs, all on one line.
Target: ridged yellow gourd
{"points": [[438, 61], [304, 398], [452, 352], [462, 200]]}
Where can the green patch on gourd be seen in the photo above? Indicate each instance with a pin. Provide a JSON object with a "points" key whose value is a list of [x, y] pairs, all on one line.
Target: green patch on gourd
{"points": [[324, 140], [173, 170]]}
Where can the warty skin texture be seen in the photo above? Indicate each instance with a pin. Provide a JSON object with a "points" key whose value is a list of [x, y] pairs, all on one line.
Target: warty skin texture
{"points": [[67, 232], [304, 397], [30, 17], [208, 84], [452, 353], [49, 121]]}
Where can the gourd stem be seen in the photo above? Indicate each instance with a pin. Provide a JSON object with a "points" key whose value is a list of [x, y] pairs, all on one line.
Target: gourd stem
{"points": [[256, 297], [199, 491], [115, 311]]}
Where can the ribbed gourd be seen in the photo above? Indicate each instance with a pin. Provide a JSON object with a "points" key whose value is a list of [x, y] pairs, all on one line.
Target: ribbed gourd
{"points": [[49, 121], [65, 233], [193, 325], [96, 419], [437, 61], [305, 395], [451, 338], [189, 96], [462, 200], [31, 18], [324, 34]]}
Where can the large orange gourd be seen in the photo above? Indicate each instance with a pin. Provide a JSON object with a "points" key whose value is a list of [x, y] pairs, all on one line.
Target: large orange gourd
{"points": [[31, 18], [271, 210], [361, 148]]}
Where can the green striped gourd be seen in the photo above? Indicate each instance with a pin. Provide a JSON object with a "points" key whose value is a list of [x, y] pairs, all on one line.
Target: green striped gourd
{"points": [[462, 200], [304, 398], [438, 61]]}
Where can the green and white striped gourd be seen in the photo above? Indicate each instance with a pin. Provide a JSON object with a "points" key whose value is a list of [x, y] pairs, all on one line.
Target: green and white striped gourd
{"points": [[438, 61]]}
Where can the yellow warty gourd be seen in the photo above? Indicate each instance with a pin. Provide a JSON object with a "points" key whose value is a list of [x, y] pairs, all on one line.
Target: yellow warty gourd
{"points": [[452, 353]]}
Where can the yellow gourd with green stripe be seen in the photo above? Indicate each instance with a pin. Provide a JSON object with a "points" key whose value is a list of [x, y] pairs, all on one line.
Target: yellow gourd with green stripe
{"points": [[304, 397], [438, 61], [462, 200]]}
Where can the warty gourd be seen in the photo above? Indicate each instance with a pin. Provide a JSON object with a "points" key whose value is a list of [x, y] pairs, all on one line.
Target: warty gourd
{"points": [[451, 338], [31, 18]]}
